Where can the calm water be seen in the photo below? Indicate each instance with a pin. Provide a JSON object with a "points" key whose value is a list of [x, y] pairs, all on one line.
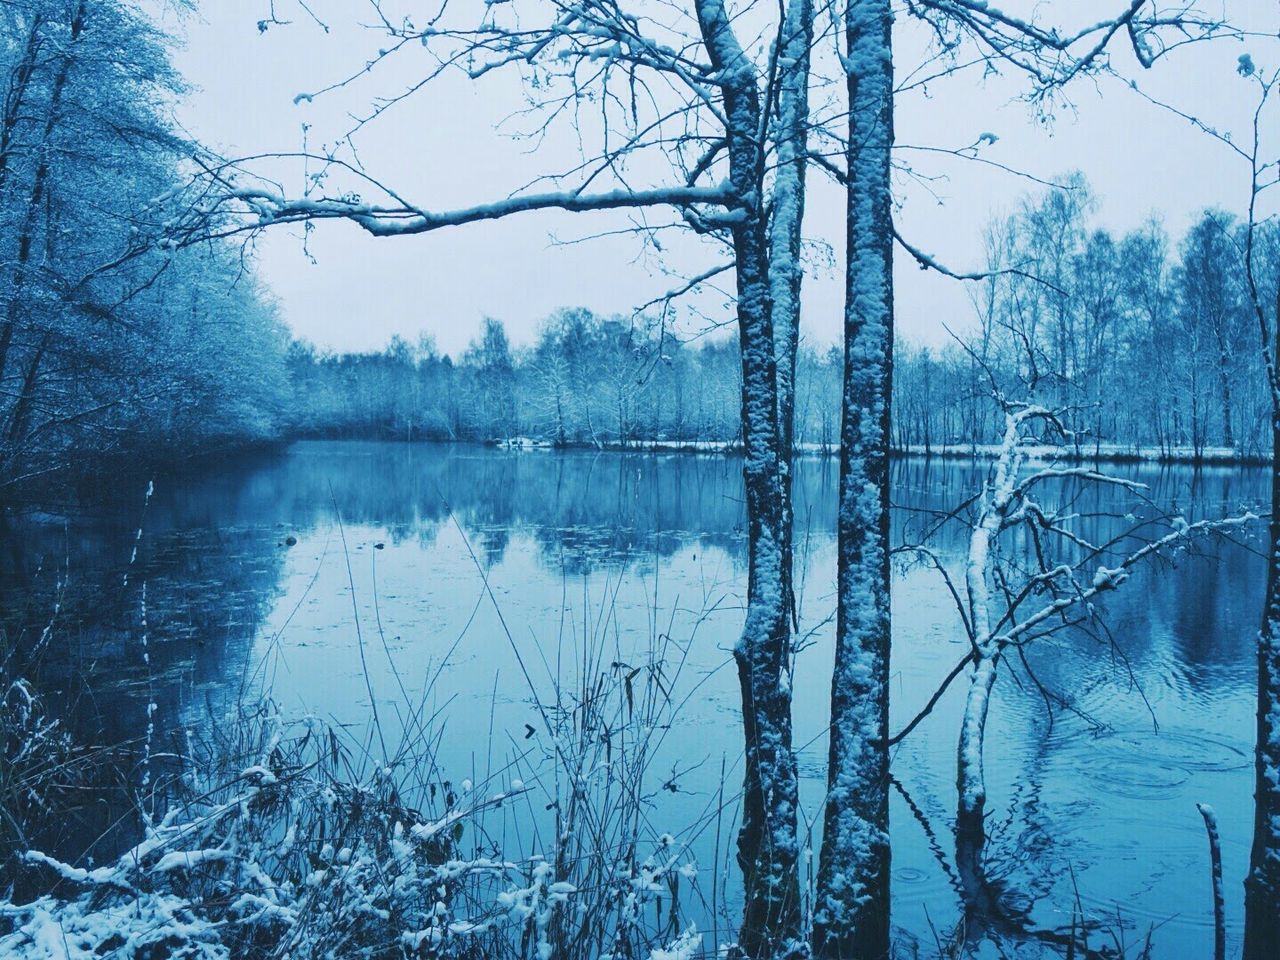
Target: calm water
{"points": [[249, 572]]}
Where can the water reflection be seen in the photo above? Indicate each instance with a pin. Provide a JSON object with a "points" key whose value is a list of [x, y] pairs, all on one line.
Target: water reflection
{"points": [[252, 573], [103, 633]]}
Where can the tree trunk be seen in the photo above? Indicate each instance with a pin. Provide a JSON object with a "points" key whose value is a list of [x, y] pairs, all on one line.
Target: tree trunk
{"points": [[971, 785], [1224, 394], [851, 917], [1262, 886], [785, 268], [25, 403], [15, 99], [767, 842]]}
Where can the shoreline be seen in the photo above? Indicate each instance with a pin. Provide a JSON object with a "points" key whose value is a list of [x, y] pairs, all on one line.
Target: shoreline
{"points": [[88, 472], [1097, 453]]}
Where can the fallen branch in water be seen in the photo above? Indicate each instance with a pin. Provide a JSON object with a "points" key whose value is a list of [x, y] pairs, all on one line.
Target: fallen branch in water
{"points": [[1219, 901]]}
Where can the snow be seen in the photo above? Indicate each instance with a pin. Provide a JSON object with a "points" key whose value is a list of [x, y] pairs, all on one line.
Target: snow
{"points": [[149, 925], [259, 774], [250, 861], [1108, 579], [999, 499], [270, 207], [684, 947], [1089, 452]]}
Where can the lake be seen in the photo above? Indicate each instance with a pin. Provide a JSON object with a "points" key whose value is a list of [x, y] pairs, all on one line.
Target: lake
{"points": [[336, 578]]}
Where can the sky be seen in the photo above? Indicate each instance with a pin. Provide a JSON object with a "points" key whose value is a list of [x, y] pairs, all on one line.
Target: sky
{"points": [[454, 144]]}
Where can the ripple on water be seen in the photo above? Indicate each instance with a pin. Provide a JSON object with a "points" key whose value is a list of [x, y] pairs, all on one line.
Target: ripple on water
{"points": [[910, 875], [1143, 765], [1120, 810], [811, 764], [925, 886]]}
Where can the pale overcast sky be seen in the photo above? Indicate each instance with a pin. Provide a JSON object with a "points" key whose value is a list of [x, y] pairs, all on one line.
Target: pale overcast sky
{"points": [[442, 149]]}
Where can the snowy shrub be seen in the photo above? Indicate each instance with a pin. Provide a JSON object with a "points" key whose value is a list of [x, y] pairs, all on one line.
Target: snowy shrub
{"points": [[287, 841], [39, 770]]}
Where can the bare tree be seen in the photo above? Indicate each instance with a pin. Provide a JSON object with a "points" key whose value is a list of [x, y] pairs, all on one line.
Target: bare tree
{"points": [[732, 131], [90, 361], [1036, 566]]}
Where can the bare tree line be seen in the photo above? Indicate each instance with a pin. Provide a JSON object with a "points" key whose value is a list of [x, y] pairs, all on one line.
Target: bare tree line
{"points": [[586, 381], [1151, 338]]}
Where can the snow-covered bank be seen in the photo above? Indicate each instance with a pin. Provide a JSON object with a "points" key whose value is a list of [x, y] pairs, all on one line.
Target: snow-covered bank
{"points": [[717, 447], [293, 863], [1093, 453], [1034, 453], [290, 839]]}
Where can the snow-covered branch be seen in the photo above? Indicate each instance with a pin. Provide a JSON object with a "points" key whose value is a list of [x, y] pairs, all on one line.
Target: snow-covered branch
{"points": [[994, 625], [1053, 56], [384, 221]]}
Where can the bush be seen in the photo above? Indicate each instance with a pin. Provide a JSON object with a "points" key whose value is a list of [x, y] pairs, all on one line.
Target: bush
{"points": [[289, 840]]}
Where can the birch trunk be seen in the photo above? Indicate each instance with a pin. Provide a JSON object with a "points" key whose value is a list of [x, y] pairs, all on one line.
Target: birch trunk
{"points": [[851, 917]]}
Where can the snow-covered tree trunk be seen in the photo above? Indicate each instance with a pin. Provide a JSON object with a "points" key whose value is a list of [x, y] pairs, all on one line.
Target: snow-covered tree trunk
{"points": [[997, 499], [851, 916], [767, 842], [785, 267], [1262, 886]]}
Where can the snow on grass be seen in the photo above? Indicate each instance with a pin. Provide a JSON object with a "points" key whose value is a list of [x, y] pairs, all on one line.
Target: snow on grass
{"points": [[275, 844]]}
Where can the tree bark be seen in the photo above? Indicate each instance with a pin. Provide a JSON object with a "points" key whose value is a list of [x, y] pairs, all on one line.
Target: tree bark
{"points": [[1224, 394], [851, 917], [767, 842], [785, 268], [1262, 886], [971, 786]]}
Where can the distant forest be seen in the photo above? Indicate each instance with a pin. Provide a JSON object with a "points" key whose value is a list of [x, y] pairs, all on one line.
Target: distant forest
{"points": [[1150, 341]]}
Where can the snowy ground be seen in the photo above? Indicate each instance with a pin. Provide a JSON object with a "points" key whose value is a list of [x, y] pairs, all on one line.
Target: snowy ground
{"points": [[1091, 452]]}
